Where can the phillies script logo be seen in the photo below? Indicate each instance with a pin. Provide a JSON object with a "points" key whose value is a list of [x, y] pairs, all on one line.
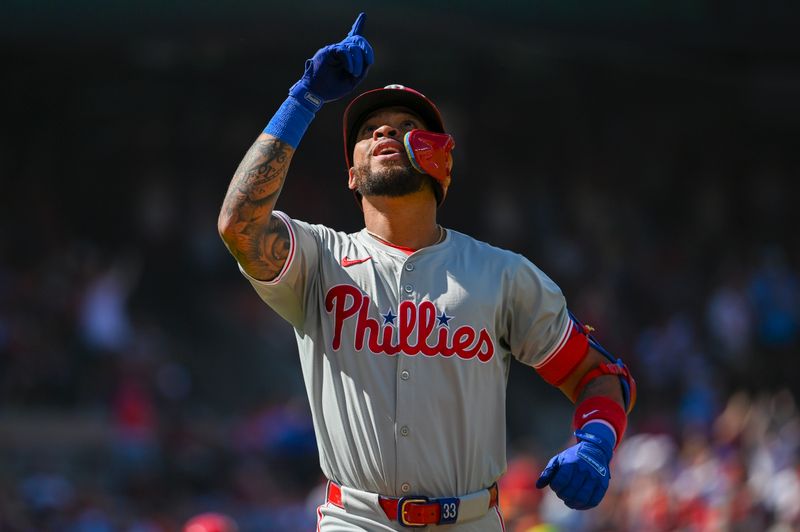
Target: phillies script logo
{"points": [[347, 302]]}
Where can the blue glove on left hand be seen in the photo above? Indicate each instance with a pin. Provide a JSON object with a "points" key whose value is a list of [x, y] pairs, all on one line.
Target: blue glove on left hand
{"points": [[580, 475], [335, 70]]}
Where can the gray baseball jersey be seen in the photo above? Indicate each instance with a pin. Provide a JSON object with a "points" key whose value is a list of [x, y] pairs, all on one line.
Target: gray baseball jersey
{"points": [[406, 357]]}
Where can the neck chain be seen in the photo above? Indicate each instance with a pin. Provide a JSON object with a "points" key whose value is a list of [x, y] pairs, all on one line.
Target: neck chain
{"points": [[442, 233]]}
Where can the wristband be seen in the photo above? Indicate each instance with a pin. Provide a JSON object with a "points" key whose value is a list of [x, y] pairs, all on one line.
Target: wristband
{"points": [[602, 410], [290, 122]]}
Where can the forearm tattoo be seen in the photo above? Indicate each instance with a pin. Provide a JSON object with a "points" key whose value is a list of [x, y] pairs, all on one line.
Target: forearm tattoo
{"points": [[606, 385], [259, 241]]}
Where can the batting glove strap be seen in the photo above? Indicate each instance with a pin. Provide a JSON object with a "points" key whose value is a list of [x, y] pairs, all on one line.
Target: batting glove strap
{"points": [[599, 436], [306, 97]]}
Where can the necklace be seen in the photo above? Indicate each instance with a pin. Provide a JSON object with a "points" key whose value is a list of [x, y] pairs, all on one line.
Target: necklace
{"points": [[442, 234]]}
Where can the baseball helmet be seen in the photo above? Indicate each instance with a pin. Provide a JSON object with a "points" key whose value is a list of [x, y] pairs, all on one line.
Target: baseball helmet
{"points": [[391, 96]]}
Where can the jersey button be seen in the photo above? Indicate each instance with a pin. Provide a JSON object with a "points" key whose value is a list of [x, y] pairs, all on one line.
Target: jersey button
{"points": [[409, 266], [405, 374], [404, 431], [408, 288], [405, 487]]}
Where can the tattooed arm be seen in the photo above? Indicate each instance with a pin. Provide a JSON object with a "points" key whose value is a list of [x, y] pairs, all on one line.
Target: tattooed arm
{"points": [[258, 240]]}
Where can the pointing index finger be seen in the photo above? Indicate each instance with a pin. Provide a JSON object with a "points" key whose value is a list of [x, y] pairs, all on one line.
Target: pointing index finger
{"points": [[357, 25]]}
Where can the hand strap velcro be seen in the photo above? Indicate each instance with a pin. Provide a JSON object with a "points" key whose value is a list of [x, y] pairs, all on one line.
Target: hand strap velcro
{"points": [[600, 436], [303, 94]]}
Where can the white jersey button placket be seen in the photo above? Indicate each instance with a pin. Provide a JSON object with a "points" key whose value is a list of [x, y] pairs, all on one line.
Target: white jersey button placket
{"points": [[406, 391]]}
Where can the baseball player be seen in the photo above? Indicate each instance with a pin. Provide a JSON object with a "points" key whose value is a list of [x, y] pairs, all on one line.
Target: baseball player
{"points": [[406, 329]]}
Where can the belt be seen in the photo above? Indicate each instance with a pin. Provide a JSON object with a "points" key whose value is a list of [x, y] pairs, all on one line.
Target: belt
{"points": [[418, 511]]}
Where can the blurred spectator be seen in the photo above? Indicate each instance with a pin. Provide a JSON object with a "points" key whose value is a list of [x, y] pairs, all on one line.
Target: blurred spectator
{"points": [[730, 321], [775, 290], [106, 326]]}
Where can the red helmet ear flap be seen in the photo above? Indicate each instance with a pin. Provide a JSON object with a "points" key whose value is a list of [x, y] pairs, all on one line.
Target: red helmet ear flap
{"points": [[430, 153]]}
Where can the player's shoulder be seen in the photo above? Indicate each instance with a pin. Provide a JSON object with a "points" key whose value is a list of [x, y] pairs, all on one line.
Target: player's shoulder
{"points": [[500, 263], [479, 249], [321, 232]]}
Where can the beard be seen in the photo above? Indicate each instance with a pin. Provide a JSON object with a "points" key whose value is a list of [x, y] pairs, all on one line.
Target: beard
{"points": [[392, 181]]}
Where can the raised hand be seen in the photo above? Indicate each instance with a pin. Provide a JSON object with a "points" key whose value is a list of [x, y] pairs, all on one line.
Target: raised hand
{"points": [[335, 70]]}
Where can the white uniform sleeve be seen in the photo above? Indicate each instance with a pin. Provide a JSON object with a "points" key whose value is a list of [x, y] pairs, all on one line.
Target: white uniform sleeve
{"points": [[537, 317], [287, 294]]}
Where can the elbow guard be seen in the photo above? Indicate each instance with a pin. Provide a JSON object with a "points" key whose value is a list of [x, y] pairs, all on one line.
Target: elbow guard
{"points": [[570, 351], [615, 366]]}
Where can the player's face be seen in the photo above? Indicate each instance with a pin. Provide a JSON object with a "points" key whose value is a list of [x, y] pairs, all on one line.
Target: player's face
{"points": [[380, 164]]}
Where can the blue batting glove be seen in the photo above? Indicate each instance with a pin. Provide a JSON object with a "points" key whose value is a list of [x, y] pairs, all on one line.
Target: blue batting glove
{"points": [[335, 70], [580, 475]]}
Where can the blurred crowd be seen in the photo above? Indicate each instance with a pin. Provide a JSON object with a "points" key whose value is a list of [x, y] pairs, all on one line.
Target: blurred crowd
{"points": [[739, 474], [142, 382]]}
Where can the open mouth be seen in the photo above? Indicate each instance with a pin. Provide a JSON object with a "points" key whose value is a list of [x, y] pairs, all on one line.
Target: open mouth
{"points": [[388, 149]]}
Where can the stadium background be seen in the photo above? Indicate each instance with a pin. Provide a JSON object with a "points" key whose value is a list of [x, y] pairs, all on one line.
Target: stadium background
{"points": [[641, 153]]}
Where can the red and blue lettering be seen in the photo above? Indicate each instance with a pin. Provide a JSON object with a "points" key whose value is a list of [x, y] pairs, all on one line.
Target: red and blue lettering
{"points": [[350, 306]]}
